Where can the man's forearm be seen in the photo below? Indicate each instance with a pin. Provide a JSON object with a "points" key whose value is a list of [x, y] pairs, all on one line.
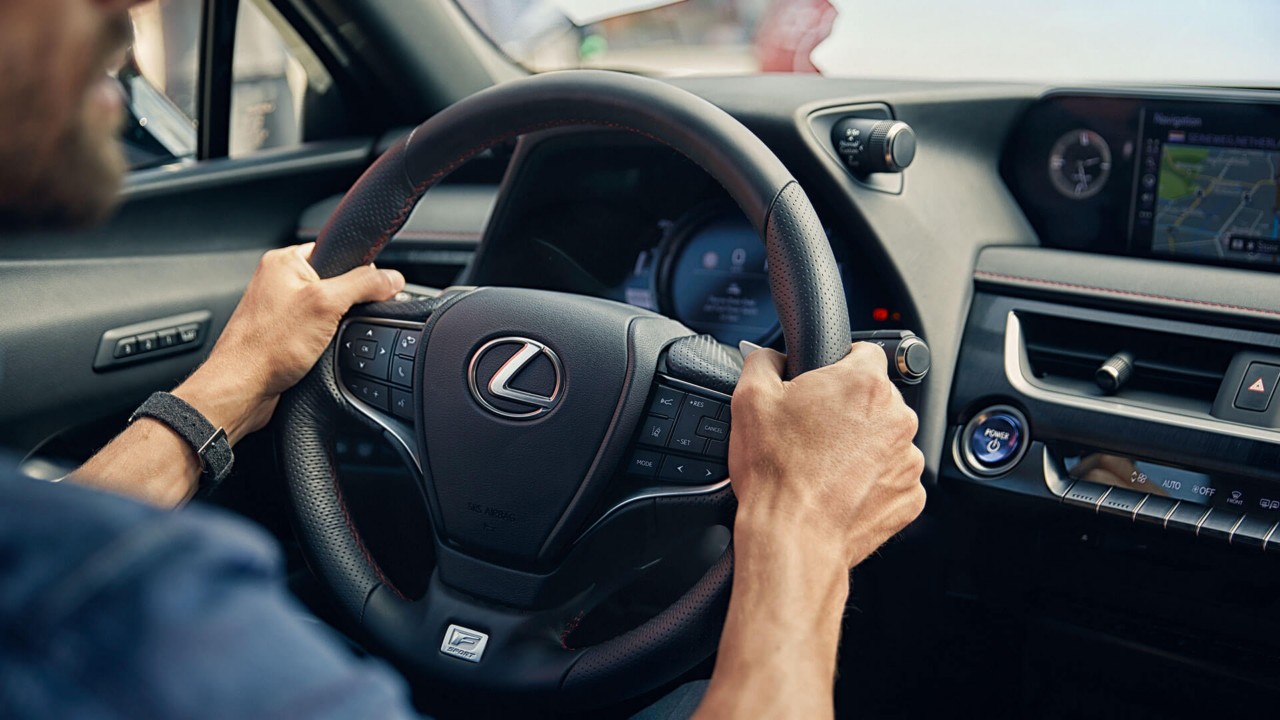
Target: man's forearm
{"points": [[778, 651], [150, 462]]}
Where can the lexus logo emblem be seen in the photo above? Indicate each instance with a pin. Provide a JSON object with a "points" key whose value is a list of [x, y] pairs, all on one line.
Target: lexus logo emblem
{"points": [[497, 392]]}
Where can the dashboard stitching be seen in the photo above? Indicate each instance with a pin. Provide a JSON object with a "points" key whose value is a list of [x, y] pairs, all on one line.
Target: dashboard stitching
{"points": [[984, 274]]}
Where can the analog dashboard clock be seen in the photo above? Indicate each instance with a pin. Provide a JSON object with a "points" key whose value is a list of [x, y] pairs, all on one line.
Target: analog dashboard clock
{"points": [[1080, 164]]}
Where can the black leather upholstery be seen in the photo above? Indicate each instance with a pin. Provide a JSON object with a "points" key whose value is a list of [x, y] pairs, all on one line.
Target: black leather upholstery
{"points": [[703, 360]]}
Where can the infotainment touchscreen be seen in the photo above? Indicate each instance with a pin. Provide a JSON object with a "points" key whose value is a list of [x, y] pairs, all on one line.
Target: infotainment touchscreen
{"points": [[1208, 188]]}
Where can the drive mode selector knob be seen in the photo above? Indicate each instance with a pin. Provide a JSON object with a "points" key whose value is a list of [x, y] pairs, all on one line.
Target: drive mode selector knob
{"points": [[994, 441], [872, 146]]}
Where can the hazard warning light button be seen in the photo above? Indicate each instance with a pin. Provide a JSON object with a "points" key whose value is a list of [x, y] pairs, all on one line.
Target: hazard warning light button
{"points": [[1257, 387]]}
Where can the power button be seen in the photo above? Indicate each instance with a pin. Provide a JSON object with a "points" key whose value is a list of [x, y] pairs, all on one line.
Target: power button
{"points": [[994, 440]]}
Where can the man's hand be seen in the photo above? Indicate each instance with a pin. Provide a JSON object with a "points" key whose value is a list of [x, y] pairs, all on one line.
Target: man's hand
{"points": [[825, 472], [827, 456], [287, 317]]}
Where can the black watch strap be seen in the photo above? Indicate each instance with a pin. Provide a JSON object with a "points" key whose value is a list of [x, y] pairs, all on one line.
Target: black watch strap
{"points": [[209, 443]]}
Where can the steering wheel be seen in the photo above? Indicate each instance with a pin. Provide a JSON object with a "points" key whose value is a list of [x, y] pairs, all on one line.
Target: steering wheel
{"points": [[545, 427]]}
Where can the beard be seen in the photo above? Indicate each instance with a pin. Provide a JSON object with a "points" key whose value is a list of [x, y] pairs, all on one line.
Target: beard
{"points": [[61, 163]]}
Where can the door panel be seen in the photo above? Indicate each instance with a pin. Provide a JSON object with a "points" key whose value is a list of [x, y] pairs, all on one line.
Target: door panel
{"points": [[184, 240]]}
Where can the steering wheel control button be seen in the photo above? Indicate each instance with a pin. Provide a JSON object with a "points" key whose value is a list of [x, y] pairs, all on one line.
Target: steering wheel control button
{"points": [[994, 441], [464, 643], [1258, 386], [407, 343], [687, 443], [1085, 495], [402, 371], [692, 472], [700, 406], [713, 429], [718, 449], [644, 463], [189, 333], [666, 402], [402, 404], [1120, 502], [375, 395], [168, 338], [685, 436], [656, 431], [366, 349], [1155, 510]]}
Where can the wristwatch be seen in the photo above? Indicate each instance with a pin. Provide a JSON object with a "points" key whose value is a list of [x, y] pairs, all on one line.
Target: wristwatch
{"points": [[209, 443]]}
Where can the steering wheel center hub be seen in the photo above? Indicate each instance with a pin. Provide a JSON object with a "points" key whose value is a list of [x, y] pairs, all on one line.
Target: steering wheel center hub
{"points": [[521, 391]]}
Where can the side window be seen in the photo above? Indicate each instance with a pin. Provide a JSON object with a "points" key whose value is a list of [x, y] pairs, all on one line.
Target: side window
{"points": [[159, 77], [274, 74], [275, 77]]}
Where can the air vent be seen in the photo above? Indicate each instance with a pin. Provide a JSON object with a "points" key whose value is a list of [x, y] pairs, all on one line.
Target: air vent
{"points": [[1169, 369]]}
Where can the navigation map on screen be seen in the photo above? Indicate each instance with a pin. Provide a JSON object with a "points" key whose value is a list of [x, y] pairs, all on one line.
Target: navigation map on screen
{"points": [[1217, 202]]}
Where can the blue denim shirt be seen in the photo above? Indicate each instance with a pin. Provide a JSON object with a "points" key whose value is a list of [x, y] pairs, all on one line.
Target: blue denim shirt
{"points": [[113, 609]]}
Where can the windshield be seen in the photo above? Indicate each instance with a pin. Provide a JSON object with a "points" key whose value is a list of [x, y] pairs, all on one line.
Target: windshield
{"points": [[1177, 42]]}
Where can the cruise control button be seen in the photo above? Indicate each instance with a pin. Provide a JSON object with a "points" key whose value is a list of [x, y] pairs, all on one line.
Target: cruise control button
{"points": [[685, 436], [726, 412], [685, 470], [666, 402], [402, 371], [687, 443], [700, 406], [713, 429], [402, 404], [1258, 386], [718, 449], [655, 431], [644, 463]]}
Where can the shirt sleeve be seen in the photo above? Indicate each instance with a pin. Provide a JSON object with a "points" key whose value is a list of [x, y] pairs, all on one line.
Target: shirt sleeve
{"points": [[109, 608]]}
